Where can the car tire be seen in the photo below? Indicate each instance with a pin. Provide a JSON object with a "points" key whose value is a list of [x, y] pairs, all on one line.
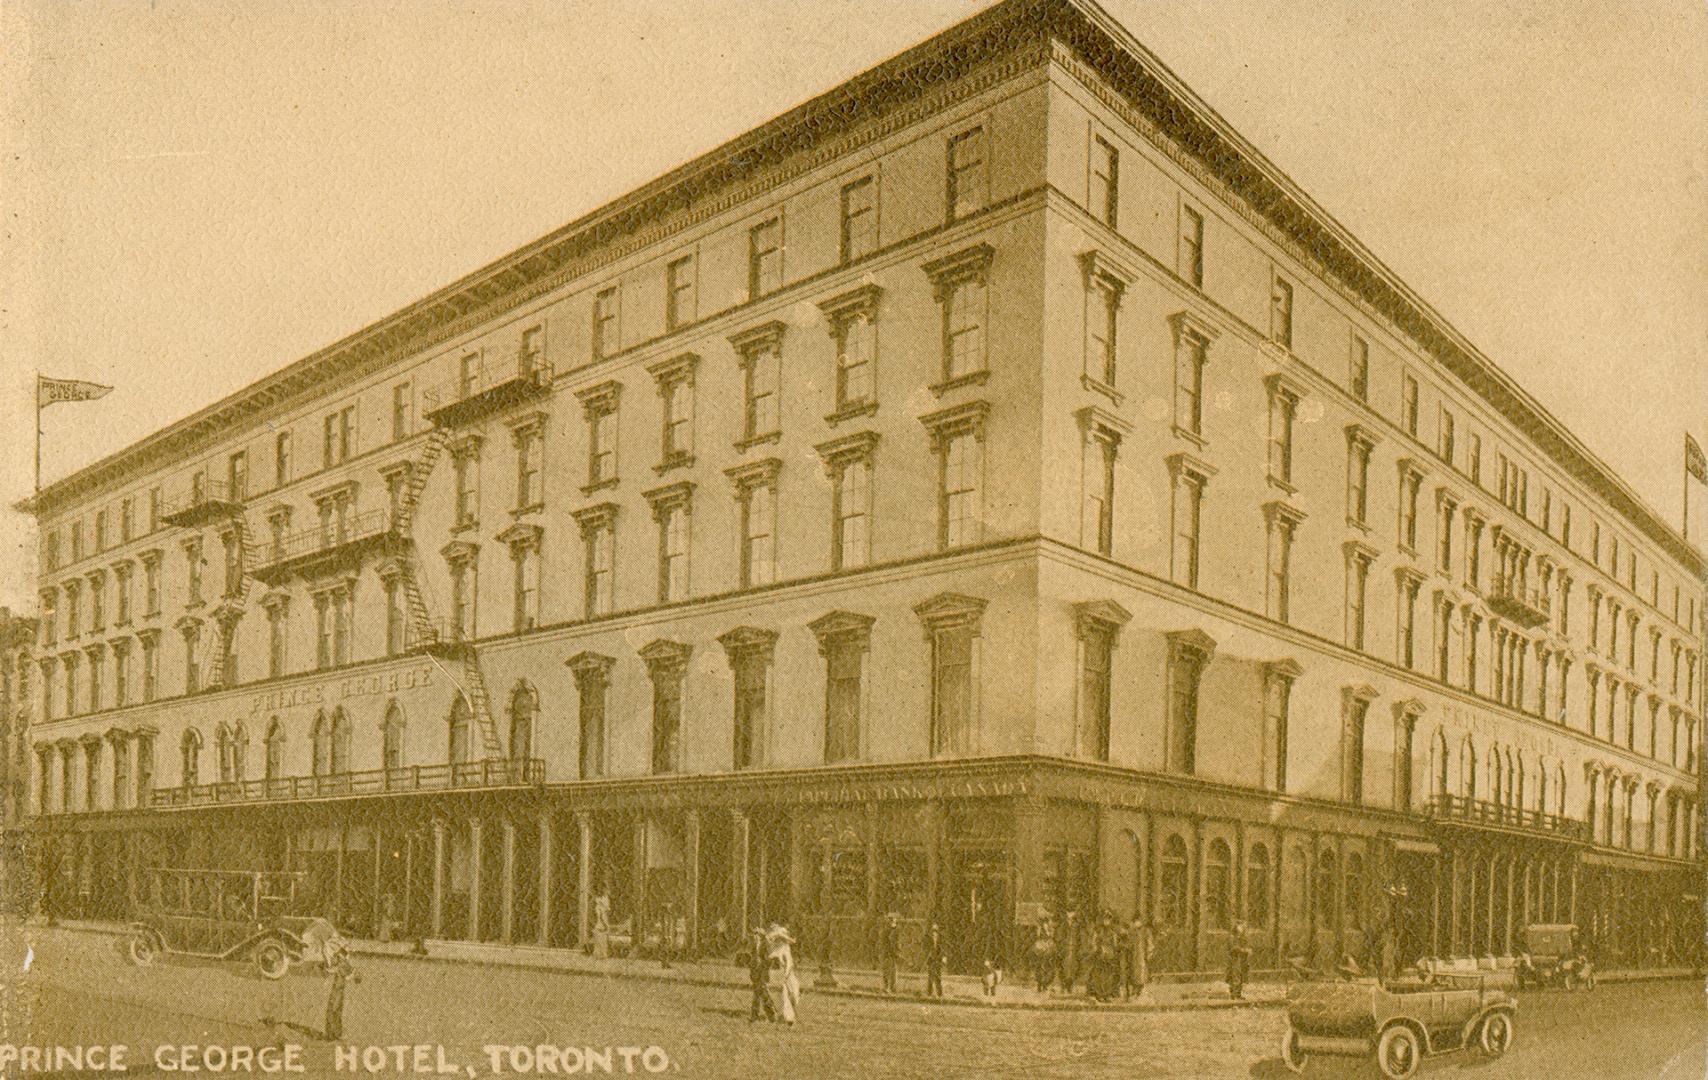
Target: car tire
{"points": [[1399, 1053], [1572, 981], [1291, 1056], [1495, 1035], [271, 960], [142, 949]]}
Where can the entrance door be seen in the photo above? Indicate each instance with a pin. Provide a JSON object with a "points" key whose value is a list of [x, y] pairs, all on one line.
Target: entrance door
{"points": [[977, 910]]}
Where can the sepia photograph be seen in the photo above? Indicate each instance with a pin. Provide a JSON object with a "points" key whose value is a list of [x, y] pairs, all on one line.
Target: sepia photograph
{"points": [[854, 538]]}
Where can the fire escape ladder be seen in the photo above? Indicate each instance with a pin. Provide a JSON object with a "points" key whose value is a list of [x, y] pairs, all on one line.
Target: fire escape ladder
{"points": [[474, 688]]}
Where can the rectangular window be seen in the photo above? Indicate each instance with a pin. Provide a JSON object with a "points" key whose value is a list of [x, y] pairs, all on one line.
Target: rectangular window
{"points": [[1105, 180], [951, 688], [530, 467], [394, 618], [400, 402], [150, 667], [151, 586], [281, 459], [859, 219], [759, 535], [960, 463], [1444, 437], [127, 521], [1188, 506], [465, 469], [678, 418], [1281, 313], [764, 371], [597, 576], [1102, 308], [193, 576], [601, 445], [844, 659], [96, 663], [605, 341], [1283, 409], [667, 722], [591, 700], [76, 541], [1357, 590], [338, 430], [1191, 245], [525, 606], [851, 498], [856, 349], [764, 258], [1189, 357], [1098, 480], [532, 352], [469, 374], [750, 671], [277, 627], [1444, 536], [1357, 479], [964, 311], [1352, 752], [1279, 593], [1443, 636], [673, 554], [1408, 404], [1094, 692], [968, 181], [1410, 483], [101, 538], [1359, 377], [1406, 605], [679, 308], [1277, 707]]}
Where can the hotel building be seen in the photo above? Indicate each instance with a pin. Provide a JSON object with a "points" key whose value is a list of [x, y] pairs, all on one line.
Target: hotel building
{"points": [[989, 489]]}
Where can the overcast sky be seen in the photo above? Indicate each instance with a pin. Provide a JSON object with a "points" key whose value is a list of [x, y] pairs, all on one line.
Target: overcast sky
{"points": [[197, 194]]}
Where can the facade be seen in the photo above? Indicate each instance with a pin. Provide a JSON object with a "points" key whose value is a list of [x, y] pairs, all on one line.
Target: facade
{"points": [[987, 491]]}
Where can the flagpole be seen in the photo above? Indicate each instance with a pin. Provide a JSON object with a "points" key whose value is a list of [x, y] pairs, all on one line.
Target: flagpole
{"points": [[38, 433]]}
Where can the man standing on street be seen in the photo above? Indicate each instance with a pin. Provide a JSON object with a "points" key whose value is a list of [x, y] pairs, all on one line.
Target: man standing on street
{"points": [[889, 944], [934, 962], [1239, 962], [759, 977], [338, 966]]}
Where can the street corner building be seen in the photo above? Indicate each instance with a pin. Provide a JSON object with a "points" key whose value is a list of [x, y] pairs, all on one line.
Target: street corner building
{"points": [[988, 491]]}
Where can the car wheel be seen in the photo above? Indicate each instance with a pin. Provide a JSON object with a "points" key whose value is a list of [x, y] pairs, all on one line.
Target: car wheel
{"points": [[1399, 1053], [142, 950], [1496, 1036], [1291, 1056], [1572, 982], [271, 961]]}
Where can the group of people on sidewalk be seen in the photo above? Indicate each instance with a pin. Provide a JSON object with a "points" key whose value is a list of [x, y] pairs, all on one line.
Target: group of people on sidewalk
{"points": [[770, 951], [1110, 959]]}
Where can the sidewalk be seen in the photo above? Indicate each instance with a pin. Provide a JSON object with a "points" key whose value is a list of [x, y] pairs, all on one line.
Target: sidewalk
{"points": [[1266, 991]]}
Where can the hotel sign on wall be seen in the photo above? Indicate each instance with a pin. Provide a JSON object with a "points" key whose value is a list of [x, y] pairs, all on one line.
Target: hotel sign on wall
{"points": [[1505, 732], [338, 691]]}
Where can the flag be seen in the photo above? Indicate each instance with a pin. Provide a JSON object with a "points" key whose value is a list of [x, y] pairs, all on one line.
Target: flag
{"points": [[1694, 463], [52, 391]]}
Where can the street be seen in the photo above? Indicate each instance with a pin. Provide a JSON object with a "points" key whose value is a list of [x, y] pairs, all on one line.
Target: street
{"points": [[79, 991]]}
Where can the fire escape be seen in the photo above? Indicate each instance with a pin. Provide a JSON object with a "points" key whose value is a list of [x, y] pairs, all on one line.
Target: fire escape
{"points": [[206, 502]]}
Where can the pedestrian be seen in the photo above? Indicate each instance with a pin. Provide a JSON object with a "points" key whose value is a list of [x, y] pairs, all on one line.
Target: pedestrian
{"points": [[934, 962], [666, 936], [338, 966], [992, 977], [1390, 961], [759, 977], [1044, 955], [1069, 951], [782, 956], [1124, 957], [1144, 945], [889, 944], [1239, 962], [1106, 969]]}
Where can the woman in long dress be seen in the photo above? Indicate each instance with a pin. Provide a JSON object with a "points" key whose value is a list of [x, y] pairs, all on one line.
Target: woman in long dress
{"points": [[783, 961]]}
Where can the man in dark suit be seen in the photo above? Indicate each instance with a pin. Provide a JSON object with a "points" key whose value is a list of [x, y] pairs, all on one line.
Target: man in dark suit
{"points": [[759, 977], [889, 945], [934, 962]]}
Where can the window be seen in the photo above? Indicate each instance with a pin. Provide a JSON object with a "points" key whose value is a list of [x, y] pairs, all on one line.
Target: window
{"points": [[465, 585], [1189, 480], [856, 352], [749, 651], [97, 662], [400, 402], [457, 732], [756, 495], [465, 468], [525, 594], [1443, 636], [605, 342], [1281, 313], [281, 459], [1446, 507], [1474, 459], [675, 379], [1278, 679], [524, 709], [76, 541], [1359, 444], [396, 625], [1411, 481], [391, 740], [338, 433], [764, 258], [957, 437], [679, 294], [531, 354], [469, 374], [121, 594], [1105, 180], [97, 602], [1408, 404], [1444, 438], [761, 353], [1097, 480], [843, 640], [598, 538], [952, 631], [1191, 349], [849, 463], [592, 676], [1283, 521], [190, 760], [121, 674], [530, 463], [859, 219], [1191, 253], [150, 665], [1102, 306], [1283, 411], [102, 540], [73, 609], [1189, 655], [277, 634], [121, 772], [670, 508], [667, 665], [599, 406], [1097, 624], [1172, 883], [1355, 707], [968, 179], [1358, 378], [1257, 886], [50, 549], [964, 311]]}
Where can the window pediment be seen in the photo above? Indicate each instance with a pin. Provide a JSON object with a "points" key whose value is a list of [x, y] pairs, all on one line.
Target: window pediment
{"points": [[675, 369], [663, 657], [957, 420], [595, 517], [857, 302], [746, 641], [1192, 642], [754, 474], [756, 338], [601, 397], [966, 264], [346, 490], [949, 608], [1286, 668], [1100, 266], [458, 551], [837, 451], [1091, 615], [841, 626], [670, 497], [1190, 325], [590, 665], [520, 535]]}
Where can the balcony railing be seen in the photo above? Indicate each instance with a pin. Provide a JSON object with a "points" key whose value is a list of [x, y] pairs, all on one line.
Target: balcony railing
{"points": [[204, 501], [489, 385], [1514, 599], [1463, 810], [467, 775], [328, 541]]}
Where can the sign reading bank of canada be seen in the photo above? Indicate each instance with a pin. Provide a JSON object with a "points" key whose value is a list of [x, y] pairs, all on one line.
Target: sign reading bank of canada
{"points": [[335, 691]]}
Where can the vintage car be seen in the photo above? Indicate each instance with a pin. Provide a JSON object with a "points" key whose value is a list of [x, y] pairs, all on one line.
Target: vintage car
{"points": [[243, 915], [1398, 1025], [1553, 957]]}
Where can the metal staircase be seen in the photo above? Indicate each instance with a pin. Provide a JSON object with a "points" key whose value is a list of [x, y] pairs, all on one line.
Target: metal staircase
{"points": [[474, 689], [219, 645]]}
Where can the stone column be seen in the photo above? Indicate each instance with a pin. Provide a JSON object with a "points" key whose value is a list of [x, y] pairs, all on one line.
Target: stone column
{"points": [[542, 935], [743, 840], [584, 880], [933, 857], [474, 879], [338, 878], [637, 883], [507, 886], [692, 913], [438, 903]]}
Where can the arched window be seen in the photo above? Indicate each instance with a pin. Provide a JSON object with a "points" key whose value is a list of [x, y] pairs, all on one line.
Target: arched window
{"points": [[191, 752], [1327, 879], [1542, 786], [459, 730], [1257, 886], [1468, 769], [391, 738], [1560, 790], [275, 763], [1171, 901], [1516, 792], [1355, 891], [225, 752], [239, 752], [1440, 774], [1218, 868], [321, 735], [1497, 794], [340, 760], [524, 707]]}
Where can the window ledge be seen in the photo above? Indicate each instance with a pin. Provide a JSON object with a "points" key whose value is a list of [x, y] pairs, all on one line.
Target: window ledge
{"points": [[1098, 386], [971, 378], [1282, 485], [599, 485], [673, 462], [759, 440], [531, 508], [853, 411], [1192, 437], [471, 525], [1361, 526]]}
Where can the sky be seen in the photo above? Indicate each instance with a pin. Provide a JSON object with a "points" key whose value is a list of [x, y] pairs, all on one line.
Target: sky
{"points": [[196, 194]]}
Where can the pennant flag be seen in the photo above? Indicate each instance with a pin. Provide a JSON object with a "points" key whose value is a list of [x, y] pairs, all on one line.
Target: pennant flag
{"points": [[1694, 463], [52, 391]]}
